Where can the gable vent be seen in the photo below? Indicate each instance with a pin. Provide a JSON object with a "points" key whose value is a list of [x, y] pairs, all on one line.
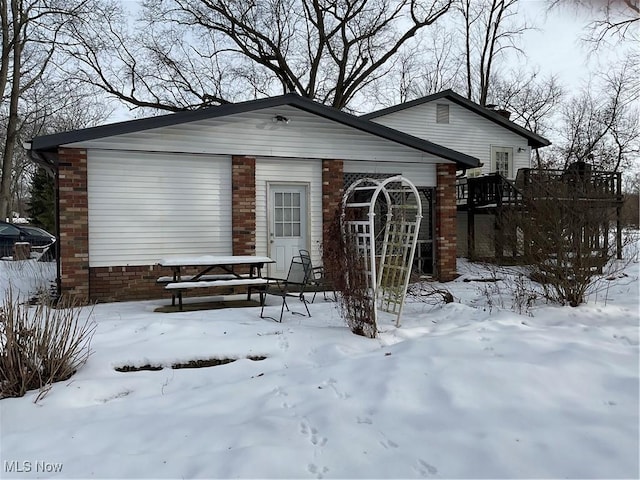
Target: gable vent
{"points": [[442, 113]]}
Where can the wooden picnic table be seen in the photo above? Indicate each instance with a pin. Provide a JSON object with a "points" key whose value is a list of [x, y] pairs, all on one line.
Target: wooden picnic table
{"points": [[232, 267]]}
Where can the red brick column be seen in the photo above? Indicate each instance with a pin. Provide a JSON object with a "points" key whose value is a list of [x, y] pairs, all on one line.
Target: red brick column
{"points": [[73, 223], [243, 205], [332, 191], [446, 227]]}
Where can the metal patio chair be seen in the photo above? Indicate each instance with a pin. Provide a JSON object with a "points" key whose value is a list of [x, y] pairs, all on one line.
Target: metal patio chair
{"points": [[293, 286], [319, 279]]}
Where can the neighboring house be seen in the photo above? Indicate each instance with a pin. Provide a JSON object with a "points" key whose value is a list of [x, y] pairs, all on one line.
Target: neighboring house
{"points": [[211, 181], [502, 146]]}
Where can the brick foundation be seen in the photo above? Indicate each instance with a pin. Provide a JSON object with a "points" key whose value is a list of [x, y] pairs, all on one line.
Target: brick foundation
{"points": [[446, 226], [115, 284], [109, 284]]}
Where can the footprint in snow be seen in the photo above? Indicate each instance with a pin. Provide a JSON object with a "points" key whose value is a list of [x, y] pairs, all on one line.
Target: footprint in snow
{"points": [[425, 469], [283, 344], [312, 434], [115, 396], [389, 443], [317, 471], [331, 383], [279, 392]]}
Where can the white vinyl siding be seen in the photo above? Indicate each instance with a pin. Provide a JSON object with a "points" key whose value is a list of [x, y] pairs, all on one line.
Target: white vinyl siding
{"points": [[255, 134], [145, 206], [303, 171], [466, 132], [420, 175]]}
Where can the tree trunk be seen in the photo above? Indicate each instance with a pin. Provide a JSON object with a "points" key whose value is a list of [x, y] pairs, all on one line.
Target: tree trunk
{"points": [[12, 121]]}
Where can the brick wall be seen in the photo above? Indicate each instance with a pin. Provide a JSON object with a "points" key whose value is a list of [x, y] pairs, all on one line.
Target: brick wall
{"points": [[446, 225], [243, 181], [332, 191], [113, 284], [109, 284], [73, 223]]}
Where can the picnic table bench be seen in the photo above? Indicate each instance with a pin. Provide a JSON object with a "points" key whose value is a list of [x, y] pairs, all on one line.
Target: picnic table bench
{"points": [[178, 283]]}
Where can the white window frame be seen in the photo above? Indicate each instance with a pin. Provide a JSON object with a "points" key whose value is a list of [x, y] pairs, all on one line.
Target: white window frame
{"points": [[495, 149], [474, 172]]}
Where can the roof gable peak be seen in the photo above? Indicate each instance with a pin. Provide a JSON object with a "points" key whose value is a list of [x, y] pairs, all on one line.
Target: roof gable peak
{"points": [[535, 140]]}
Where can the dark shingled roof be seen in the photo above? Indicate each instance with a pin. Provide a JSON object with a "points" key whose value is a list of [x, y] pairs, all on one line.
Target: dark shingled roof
{"points": [[50, 143]]}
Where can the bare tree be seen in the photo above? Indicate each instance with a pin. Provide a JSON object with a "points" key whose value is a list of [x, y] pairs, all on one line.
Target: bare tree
{"points": [[30, 34], [613, 20], [489, 29], [601, 124], [432, 65], [194, 53], [532, 100]]}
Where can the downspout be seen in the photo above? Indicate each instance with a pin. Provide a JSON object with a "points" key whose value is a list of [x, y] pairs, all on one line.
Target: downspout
{"points": [[49, 161]]}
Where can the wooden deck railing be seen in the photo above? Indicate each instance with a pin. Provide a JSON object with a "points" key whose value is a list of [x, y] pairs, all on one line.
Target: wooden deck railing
{"points": [[531, 184], [488, 190]]}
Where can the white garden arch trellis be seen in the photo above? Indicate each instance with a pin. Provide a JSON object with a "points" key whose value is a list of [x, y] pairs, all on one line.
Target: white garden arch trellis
{"points": [[386, 245]]}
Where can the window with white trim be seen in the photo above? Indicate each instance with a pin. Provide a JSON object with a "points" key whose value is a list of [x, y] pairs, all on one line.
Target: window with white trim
{"points": [[502, 161]]}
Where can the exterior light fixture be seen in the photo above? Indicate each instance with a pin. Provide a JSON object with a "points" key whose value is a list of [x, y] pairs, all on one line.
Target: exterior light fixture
{"points": [[280, 119]]}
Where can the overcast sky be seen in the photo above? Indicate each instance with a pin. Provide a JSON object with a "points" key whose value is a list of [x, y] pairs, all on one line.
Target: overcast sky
{"points": [[556, 47]]}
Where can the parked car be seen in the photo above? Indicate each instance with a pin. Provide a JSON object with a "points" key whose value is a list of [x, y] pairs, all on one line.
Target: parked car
{"points": [[11, 233]]}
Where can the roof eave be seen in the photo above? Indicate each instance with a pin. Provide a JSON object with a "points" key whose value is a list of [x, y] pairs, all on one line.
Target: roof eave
{"points": [[463, 160], [533, 139], [53, 141], [50, 143]]}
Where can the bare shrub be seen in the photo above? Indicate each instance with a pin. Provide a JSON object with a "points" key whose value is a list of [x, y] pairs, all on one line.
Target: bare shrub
{"points": [[40, 345], [347, 269], [524, 296], [428, 293], [566, 238]]}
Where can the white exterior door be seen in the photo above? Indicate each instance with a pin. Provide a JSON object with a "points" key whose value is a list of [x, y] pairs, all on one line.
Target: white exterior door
{"points": [[288, 227], [502, 161]]}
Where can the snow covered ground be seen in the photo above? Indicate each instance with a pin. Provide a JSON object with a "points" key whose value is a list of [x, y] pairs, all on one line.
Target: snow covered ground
{"points": [[464, 390]]}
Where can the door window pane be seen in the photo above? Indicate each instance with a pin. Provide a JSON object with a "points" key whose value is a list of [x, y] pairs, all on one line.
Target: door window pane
{"points": [[502, 163], [287, 217], [502, 159]]}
